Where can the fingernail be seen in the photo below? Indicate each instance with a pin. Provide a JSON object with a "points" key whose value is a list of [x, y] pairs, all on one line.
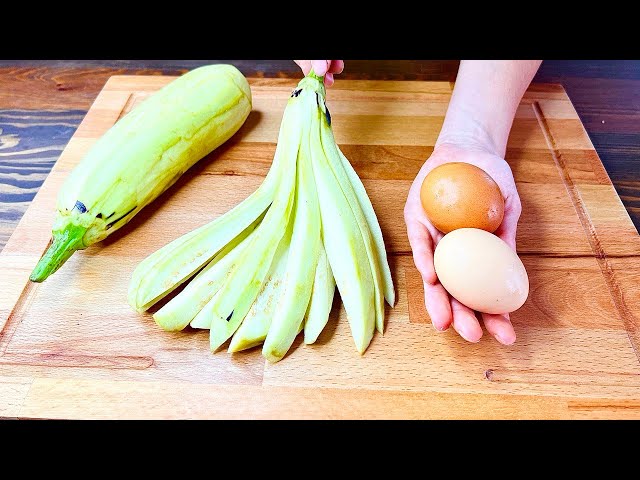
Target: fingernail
{"points": [[505, 340], [328, 79]]}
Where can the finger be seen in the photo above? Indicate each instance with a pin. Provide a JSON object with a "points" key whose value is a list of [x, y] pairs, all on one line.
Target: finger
{"points": [[500, 327], [328, 79], [337, 66], [465, 322], [320, 67], [422, 248], [436, 301], [305, 65], [507, 229]]}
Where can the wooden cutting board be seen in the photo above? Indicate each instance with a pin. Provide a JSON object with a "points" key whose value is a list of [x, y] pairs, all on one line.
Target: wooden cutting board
{"points": [[73, 348]]}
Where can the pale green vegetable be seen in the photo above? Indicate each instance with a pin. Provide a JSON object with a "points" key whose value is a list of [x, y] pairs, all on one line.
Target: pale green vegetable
{"points": [[142, 155]]}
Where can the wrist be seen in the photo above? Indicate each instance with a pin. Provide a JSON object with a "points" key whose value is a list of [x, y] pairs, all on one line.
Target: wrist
{"points": [[471, 135], [474, 124], [484, 103]]}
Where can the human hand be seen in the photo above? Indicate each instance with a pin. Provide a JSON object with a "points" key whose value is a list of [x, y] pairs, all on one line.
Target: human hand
{"points": [[328, 68], [443, 309]]}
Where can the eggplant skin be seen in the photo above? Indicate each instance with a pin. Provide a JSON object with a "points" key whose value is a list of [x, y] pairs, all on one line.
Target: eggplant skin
{"points": [[142, 155]]}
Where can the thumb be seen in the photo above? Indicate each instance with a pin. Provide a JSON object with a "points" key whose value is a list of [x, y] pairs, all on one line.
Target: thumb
{"points": [[507, 229]]}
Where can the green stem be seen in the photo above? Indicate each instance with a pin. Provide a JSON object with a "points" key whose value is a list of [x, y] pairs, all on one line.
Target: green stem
{"points": [[312, 74], [313, 81], [65, 242]]}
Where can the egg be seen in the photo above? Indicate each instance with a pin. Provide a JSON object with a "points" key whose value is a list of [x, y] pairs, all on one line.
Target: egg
{"points": [[481, 271], [460, 195]]}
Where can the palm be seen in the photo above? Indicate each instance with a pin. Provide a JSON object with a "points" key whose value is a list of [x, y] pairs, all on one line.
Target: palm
{"points": [[423, 237]]}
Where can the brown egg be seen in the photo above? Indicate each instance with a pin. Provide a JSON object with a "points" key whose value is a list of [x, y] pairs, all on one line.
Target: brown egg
{"points": [[461, 195]]}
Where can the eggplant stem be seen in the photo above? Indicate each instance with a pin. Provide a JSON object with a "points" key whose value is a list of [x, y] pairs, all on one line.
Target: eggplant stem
{"points": [[312, 74], [65, 242]]}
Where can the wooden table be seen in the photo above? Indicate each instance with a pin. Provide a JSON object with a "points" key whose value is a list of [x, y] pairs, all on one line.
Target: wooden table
{"points": [[42, 103]]}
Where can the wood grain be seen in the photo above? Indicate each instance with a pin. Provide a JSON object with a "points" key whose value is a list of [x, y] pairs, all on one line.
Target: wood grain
{"points": [[79, 399], [72, 348], [13, 392], [608, 103], [30, 143]]}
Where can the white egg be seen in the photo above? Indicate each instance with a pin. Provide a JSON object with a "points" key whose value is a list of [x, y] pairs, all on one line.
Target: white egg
{"points": [[481, 271]]}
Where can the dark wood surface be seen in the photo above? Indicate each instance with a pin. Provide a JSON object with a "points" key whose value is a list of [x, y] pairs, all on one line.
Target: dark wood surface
{"points": [[42, 103]]}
